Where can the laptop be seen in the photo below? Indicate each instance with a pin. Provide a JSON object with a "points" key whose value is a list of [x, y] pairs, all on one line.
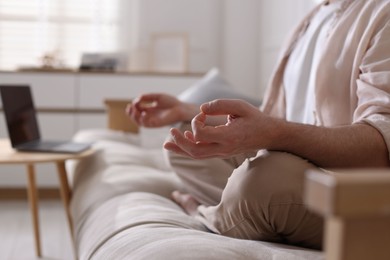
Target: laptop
{"points": [[23, 127]]}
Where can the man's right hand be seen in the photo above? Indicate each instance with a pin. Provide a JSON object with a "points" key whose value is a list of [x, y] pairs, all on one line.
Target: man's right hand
{"points": [[157, 110]]}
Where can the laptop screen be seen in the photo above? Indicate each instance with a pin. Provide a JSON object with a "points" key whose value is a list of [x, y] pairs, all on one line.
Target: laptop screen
{"points": [[20, 114]]}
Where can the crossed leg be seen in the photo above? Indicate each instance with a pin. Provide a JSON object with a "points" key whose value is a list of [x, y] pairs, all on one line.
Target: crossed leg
{"points": [[262, 199]]}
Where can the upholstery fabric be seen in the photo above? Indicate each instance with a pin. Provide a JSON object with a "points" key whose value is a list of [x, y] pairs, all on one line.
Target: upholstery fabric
{"points": [[121, 209], [214, 86]]}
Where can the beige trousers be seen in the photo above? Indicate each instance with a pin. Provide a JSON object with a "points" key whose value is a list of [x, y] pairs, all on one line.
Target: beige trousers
{"points": [[257, 198]]}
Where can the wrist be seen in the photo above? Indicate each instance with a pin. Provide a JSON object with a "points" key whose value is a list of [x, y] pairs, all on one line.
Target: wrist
{"points": [[276, 134], [189, 111]]}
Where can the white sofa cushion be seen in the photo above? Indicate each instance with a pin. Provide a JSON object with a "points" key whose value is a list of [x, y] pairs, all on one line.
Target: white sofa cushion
{"points": [[148, 226], [116, 168], [214, 86], [122, 209]]}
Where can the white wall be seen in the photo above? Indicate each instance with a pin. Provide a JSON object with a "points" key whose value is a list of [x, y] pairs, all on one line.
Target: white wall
{"points": [[200, 19], [243, 37], [240, 44]]}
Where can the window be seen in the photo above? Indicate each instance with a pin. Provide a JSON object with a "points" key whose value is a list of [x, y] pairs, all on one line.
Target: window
{"points": [[30, 29]]}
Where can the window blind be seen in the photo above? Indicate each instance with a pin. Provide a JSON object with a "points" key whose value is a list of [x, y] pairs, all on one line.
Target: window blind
{"points": [[30, 29]]}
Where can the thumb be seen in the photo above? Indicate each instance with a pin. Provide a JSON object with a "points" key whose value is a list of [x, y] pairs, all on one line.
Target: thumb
{"points": [[224, 107]]}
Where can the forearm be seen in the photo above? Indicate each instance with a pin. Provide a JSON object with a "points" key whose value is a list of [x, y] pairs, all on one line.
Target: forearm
{"points": [[248, 129], [188, 111], [357, 145]]}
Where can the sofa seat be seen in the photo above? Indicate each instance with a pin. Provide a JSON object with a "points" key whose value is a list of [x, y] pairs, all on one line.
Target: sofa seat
{"points": [[121, 209]]}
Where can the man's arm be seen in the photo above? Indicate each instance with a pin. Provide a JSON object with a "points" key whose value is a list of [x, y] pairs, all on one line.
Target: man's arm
{"points": [[248, 129], [158, 109], [358, 145]]}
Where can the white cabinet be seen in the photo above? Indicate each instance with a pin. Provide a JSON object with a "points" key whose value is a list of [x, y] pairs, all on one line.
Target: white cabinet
{"points": [[68, 102], [53, 90], [95, 88]]}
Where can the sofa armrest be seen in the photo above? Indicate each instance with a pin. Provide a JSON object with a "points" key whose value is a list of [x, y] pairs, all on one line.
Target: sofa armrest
{"points": [[117, 118], [356, 207]]}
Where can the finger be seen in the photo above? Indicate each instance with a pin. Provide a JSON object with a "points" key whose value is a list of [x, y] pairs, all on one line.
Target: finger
{"points": [[190, 136], [170, 146], [128, 109], [196, 150], [135, 115], [146, 119], [208, 134], [136, 102], [146, 101], [225, 107], [147, 106], [198, 122], [158, 118], [180, 139]]}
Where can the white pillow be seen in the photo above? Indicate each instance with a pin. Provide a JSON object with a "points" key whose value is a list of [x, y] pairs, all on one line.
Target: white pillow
{"points": [[213, 86]]}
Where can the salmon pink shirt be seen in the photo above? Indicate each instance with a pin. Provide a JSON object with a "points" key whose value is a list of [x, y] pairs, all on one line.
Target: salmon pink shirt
{"points": [[352, 76]]}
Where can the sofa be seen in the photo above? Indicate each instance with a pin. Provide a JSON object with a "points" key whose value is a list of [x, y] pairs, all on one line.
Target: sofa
{"points": [[121, 206]]}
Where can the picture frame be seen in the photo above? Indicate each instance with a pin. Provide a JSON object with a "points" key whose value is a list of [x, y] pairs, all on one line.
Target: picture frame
{"points": [[170, 53]]}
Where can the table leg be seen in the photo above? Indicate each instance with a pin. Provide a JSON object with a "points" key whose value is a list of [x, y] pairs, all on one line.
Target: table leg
{"points": [[65, 196], [33, 200]]}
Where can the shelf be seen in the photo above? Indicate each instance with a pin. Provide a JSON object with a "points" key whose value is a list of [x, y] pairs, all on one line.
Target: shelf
{"points": [[127, 73]]}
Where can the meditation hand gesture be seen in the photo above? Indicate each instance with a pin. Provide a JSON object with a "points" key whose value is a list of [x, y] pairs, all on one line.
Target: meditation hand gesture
{"points": [[156, 110], [244, 131]]}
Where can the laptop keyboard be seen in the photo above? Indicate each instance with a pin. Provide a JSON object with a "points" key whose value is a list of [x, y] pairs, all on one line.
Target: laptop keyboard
{"points": [[54, 146], [43, 145]]}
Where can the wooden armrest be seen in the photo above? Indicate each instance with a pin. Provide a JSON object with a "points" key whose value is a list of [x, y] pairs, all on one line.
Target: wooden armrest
{"points": [[356, 207], [349, 193], [117, 118]]}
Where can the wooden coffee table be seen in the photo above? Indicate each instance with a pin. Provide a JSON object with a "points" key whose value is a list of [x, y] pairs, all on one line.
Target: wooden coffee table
{"points": [[11, 156]]}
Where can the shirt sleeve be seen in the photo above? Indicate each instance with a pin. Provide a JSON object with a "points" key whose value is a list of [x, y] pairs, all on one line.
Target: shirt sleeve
{"points": [[373, 85]]}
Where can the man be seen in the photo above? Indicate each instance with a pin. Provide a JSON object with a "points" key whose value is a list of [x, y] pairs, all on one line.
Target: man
{"points": [[327, 106]]}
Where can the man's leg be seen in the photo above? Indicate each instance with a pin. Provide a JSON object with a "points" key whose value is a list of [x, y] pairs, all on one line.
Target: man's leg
{"points": [[263, 201]]}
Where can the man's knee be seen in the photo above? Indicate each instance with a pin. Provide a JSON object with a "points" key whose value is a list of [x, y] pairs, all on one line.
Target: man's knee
{"points": [[263, 201], [272, 177]]}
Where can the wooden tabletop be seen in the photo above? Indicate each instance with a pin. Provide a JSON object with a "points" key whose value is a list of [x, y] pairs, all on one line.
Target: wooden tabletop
{"points": [[10, 156]]}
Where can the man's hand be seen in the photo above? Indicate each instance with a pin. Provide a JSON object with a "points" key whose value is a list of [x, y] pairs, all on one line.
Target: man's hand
{"points": [[242, 133], [156, 110], [248, 129]]}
